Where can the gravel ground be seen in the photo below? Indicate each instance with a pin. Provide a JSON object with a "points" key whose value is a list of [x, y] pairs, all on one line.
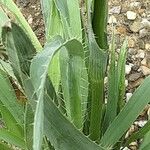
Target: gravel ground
{"points": [[131, 18]]}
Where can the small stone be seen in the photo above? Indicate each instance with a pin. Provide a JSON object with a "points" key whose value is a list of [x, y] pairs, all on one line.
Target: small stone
{"points": [[121, 30], [131, 15], [147, 46], [140, 123], [126, 83], [143, 33], [136, 83], [132, 51], [131, 42], [141, 44], [145, 23], [145, 70], [30, 19], [112, 19], [135, 27], [126, 148], [128, 68], [134, 76], [135, 4], [140, 54], [144, 62], [128, 96], [115, 10]]}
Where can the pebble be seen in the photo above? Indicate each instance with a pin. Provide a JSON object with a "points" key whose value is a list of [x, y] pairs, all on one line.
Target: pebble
{"points": [[112, 19], [128, 68], [126, 148], [131, 15], [128, 96], [144, 62], [126, 83], [143, 33], [134, 76], [135, 27], [145, 23], [135, 4], [140, 54], [140, 123], [132, 51], [131, 42], [115, 10], [145, 70], [147, 46]]}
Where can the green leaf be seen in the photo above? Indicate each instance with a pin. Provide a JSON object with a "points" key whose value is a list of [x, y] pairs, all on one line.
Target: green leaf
{"points": [[28, 126], [10, 5], [12, 138], [121, 74], [145, 143], [9, 100], [112, 100], [99, 22], [4, 146], [20, 51], [139, 134], [38, 76], [127, 116], [61, 133]]}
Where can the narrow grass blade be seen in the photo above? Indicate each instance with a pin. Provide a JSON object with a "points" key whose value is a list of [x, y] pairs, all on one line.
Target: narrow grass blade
{"points": [[10, 5], [112, 100], [121, 74], [12, 138], [139, 134], [145, 143], [127, 116]]}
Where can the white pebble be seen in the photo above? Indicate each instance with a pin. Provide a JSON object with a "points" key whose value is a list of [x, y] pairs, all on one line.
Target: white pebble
{"points": [[145, 70], [140, 54], [131, 15], [128, 68], [128, 96], [140, 123]]}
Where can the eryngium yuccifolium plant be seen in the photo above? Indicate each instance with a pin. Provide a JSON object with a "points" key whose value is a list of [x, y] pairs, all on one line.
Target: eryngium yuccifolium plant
{"points": [[53, 97]]}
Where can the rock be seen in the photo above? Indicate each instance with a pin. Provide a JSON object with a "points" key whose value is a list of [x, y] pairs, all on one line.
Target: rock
{"points": [[140, 54], [147, 46], [128, 96], [135, 4], [145, 70], [132, 51], [131, 42], [134, 76], [126, 148], [115, 10], [141, 44], [143, 33], [135, 27], [121, 30], [144, 62], [30, 19], [136, 83], [140, 123], [126, 83], [128, 68], [112, 19], [131, 15], [145, 23]]}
